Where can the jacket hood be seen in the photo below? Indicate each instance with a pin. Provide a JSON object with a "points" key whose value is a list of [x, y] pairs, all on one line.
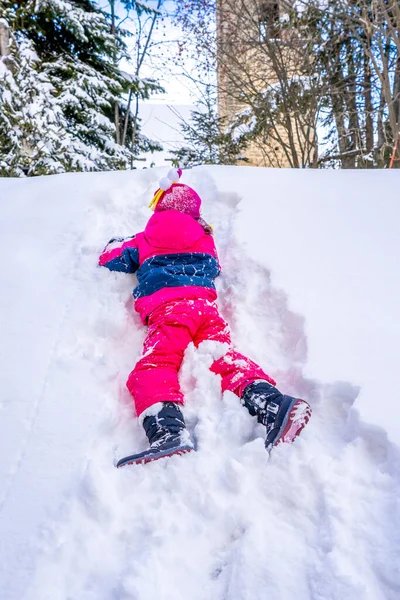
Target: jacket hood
{"points": [[172, 229]]}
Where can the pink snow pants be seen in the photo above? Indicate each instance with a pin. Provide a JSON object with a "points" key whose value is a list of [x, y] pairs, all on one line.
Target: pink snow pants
{"points": [[172, 327]]}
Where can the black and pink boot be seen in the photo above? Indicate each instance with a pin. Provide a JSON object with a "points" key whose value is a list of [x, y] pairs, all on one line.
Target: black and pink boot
{"points": [[283, 416], [166, 432]]}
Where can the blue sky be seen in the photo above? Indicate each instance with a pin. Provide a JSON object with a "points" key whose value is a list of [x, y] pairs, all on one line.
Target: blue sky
{"points": [[159, 122], [160, 63]]}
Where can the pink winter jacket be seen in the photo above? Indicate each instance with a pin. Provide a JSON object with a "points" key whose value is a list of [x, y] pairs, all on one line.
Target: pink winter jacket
{"points": [[174, 257]]}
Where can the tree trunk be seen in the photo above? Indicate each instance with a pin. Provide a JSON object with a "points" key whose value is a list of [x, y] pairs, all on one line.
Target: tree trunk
{"points": [[116, 105], [368, 106], [338, 112], [135, 124], [355, 141], [396, 93], [396, 108], [4, 40]]}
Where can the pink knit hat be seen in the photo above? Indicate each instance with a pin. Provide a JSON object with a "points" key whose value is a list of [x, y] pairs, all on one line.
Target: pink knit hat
{"points": [[172, 195]]}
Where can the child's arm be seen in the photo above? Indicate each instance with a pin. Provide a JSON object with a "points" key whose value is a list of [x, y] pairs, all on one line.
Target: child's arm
{"points": [[120, 254]]}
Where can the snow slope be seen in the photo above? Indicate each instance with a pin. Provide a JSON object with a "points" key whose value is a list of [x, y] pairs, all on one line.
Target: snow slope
{"points": [[310, 287]]}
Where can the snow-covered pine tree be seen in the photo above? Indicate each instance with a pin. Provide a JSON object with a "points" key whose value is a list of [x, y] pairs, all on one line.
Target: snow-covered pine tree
{"points": [[208, 139], [33, 129], [58, 98], [31, 123]]}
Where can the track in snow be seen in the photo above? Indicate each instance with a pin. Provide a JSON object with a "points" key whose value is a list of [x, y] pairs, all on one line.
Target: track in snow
{"points": [[315, 521]]}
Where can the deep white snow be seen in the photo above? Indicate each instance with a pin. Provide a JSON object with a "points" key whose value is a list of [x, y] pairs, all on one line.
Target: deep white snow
{"points": [[310, 286]]}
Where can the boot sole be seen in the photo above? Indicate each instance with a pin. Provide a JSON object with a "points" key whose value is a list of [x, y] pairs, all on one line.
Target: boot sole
{"points": [[297, 416], [144, 458]]}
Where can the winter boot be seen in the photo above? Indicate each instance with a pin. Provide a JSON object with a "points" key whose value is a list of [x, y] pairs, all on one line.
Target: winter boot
{"points": [[283, 416], [166, 433]]}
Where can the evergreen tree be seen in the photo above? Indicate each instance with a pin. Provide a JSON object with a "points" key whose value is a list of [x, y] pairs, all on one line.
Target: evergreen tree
{"points": [[58, 96], [31, 122], [208, 140]]}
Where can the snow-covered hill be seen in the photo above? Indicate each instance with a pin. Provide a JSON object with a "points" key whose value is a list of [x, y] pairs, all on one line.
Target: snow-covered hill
{"points": [[310, 286]]}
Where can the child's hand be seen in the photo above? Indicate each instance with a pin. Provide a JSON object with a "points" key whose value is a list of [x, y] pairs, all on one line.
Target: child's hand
{"points": [[115, 242], [120, 254]]}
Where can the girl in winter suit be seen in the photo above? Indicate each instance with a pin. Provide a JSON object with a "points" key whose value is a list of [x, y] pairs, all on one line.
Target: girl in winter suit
{"points": [[176, 263]]}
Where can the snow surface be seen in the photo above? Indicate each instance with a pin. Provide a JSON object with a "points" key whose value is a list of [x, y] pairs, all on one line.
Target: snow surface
{"points": [[310, 287]]}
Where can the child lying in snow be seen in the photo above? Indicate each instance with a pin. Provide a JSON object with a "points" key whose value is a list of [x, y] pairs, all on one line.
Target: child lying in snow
{"points": [[176, 263]]}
